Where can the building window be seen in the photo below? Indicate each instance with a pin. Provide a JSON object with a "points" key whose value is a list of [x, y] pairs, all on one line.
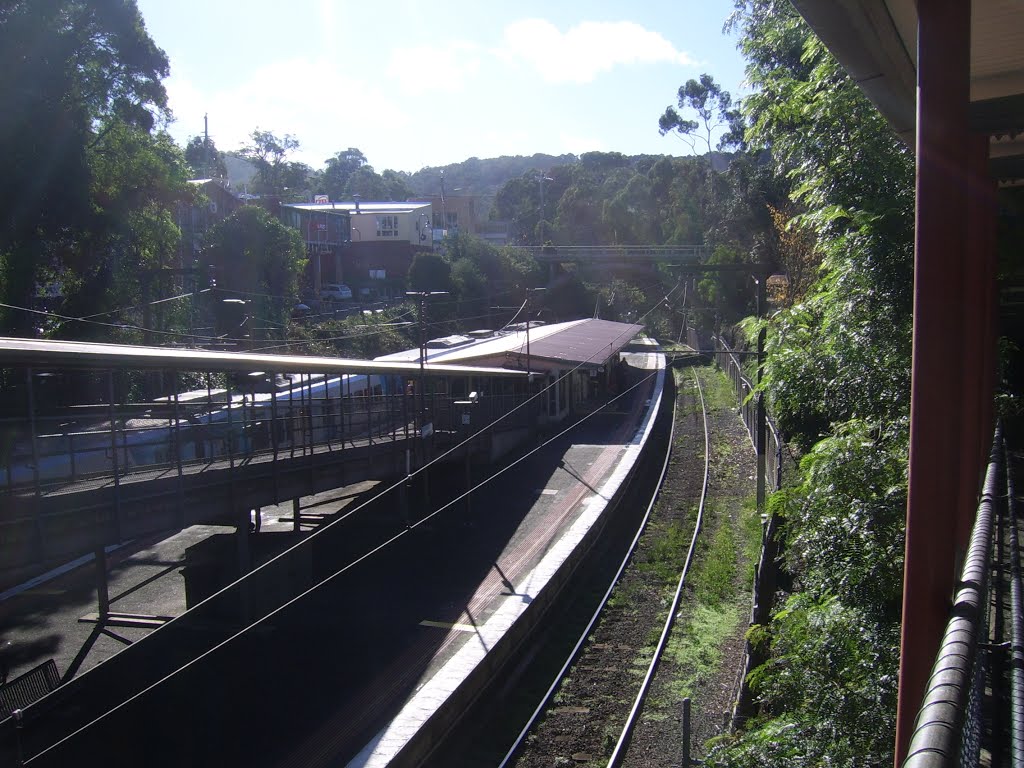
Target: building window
{"points": [[446, 220], [378, 274], [387, 226]]}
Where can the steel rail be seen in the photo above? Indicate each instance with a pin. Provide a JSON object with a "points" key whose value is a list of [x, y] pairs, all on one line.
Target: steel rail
{"points": [[622, 745], [592, 623]]}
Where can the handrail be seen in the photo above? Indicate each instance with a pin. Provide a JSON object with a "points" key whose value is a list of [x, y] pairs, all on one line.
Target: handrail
{"points": [[1016, 632], [947, 731]]}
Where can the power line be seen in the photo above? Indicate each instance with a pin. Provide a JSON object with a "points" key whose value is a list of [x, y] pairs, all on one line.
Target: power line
{"points": [[120, 326], [140, 306]]}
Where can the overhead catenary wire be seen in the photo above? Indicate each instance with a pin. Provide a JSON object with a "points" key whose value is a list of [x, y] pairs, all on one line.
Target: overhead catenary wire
{"points": [[272, 615], [120, 326], [374, 550]]}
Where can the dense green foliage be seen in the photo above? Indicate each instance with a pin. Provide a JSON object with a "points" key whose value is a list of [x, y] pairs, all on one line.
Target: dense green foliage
{"points": [[204, 160], [87, 182], [837, 380], [260, 260]]}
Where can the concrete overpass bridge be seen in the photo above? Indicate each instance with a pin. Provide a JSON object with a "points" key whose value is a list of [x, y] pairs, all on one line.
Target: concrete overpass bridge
{"points": [[617, 256]]}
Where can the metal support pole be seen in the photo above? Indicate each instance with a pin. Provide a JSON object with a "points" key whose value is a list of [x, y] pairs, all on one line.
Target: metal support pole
{"points": [[37, 490], [311, 427], [274, 441], [686, 733], [116, 462], [943, 93], [177, 448], [762, 426]]}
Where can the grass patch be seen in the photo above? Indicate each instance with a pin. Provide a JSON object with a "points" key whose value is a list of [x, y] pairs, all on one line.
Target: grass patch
{"points": [[718, 391], [696, 650], [665, 558], [624, 597], [714, 581]]}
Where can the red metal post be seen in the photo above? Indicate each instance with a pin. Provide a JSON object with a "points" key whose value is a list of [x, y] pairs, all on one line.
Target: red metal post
{"points": [[978, 357], [943, 78], [983, 229]]}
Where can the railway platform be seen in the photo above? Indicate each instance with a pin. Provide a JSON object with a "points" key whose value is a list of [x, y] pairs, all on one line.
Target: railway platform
{"points": [[372, 664]]}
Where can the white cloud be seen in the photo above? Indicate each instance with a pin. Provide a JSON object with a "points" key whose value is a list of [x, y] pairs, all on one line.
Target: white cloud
{"points": [[428, 69], [315, 99], [586, 50], [328, 22]]}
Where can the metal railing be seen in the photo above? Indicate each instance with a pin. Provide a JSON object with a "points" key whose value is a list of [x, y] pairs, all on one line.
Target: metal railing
{"points": [[745, 395], [57, 446], [952, 723]]}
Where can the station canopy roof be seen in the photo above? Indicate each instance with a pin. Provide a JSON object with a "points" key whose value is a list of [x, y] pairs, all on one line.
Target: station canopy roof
{"points": [[78, 354], [350, 207], [586, 342], [876, 42], [591, 342]]}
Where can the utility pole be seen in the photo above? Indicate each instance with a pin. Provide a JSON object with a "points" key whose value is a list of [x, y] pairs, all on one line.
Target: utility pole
{"points": [[529, 308], [762, 421], [422, 296], [444, 211], [541, 178], [421, 393]]}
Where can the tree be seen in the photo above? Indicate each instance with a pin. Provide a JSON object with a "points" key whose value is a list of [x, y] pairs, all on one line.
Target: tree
{"points": [[339, 169], [71, 73], [713, 108], [204, 159], [274, 173], [430, 272], [259, 259], [798, 252], [837, 380], [395, 186]]}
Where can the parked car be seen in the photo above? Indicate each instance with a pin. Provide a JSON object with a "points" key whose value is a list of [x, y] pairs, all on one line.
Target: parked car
{"points": [[335, 292]]}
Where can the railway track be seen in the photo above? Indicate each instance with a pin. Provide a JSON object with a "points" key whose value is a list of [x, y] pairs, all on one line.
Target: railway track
{"points": [[531, 690]]}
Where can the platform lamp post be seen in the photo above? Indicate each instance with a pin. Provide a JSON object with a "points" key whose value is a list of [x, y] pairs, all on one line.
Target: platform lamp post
{"points": [[421, 385], [422, 296]]}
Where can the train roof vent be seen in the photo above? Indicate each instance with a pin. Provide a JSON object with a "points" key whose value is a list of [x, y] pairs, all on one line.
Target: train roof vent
{"points": [[447, 342], [483, 333]]}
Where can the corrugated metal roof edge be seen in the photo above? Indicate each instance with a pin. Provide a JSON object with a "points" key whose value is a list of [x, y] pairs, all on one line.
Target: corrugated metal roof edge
{"points": [[80, 354]]}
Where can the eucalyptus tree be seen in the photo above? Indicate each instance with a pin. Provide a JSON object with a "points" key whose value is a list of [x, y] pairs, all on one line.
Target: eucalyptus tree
{"points": [[276, 175], [204, 159], [713, 108]]}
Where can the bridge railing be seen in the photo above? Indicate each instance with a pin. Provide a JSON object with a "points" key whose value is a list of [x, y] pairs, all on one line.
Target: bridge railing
{"points": [[973, 707], [51, 445], [615, 253]]}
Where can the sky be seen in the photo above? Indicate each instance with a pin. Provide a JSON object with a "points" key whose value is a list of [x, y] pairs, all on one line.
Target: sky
{"points": [[414, 84]]}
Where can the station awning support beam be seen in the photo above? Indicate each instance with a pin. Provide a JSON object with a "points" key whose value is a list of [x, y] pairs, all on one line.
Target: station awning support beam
{"points": [[936, 419]]}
